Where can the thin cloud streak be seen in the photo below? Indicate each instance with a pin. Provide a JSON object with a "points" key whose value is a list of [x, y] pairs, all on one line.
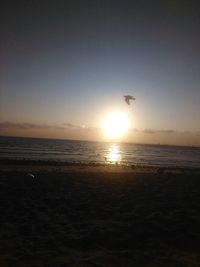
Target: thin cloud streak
{"points": [[68, 125], [152, 131], [28, 126]]}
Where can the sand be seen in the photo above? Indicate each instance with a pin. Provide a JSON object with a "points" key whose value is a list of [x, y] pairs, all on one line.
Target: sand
{"points": [[98, 216]]}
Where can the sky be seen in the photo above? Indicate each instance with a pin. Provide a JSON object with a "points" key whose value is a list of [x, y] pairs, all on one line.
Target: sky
{"points": [[65, 65]]}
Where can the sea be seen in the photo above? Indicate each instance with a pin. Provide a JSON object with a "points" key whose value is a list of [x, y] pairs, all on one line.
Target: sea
{"points": [[87, 152]]}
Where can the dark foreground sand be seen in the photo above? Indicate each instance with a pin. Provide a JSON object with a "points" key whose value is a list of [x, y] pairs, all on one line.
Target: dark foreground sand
{"points": [[110, 216]]}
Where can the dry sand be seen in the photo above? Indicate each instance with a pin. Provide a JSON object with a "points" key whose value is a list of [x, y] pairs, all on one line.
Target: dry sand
{"points": [[99, 216]]}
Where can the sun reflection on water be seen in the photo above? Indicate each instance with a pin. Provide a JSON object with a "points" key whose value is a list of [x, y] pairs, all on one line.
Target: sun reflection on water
{"points": [[113, 155]]}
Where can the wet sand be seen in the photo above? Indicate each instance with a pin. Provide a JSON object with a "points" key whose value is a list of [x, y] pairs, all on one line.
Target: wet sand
{"points": [[98, 216]]}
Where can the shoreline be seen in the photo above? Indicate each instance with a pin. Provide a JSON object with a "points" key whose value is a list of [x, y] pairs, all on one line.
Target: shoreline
{"points": [[42, 165]]}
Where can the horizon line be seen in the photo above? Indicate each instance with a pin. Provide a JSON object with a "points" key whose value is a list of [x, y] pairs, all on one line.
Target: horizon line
{"points": [[98, 141]]}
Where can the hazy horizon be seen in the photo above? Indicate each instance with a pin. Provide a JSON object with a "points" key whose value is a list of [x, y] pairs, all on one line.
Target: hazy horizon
{"points": [[179, 138]]}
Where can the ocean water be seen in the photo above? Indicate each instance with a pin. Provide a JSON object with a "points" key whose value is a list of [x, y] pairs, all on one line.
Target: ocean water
{"points": [[17, 148]]}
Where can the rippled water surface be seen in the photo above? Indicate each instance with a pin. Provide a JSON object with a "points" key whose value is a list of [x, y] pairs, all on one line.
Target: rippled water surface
{"points": [[97, 152]]}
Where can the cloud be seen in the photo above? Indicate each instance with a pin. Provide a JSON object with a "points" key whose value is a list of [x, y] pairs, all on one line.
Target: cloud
{"points": [[69, 125], [92, 128], [148, 131], [151, 131], [166, 131], [7, 125], [28, 126]]}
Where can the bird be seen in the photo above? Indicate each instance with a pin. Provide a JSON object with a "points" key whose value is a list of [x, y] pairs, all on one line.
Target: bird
{"points": [[128, 98]]}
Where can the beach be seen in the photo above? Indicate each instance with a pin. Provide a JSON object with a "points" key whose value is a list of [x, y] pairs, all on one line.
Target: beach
{"points": [[101, 215]]}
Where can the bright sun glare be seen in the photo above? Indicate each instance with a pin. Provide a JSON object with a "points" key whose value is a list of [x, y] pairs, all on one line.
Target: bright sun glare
{"points": [[115, 125]]}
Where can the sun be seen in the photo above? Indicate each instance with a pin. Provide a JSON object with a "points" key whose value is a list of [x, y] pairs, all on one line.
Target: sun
{"points": [[115, 125]]}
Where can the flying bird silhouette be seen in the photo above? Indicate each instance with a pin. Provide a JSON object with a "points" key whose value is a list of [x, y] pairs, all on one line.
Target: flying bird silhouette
{"points": [[128, 98]]}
